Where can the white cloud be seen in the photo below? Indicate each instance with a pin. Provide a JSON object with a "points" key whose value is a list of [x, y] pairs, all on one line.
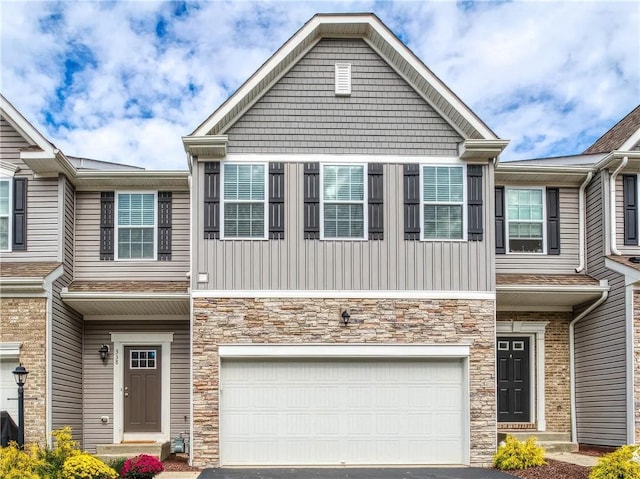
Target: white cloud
{"points": [[550, 76]]}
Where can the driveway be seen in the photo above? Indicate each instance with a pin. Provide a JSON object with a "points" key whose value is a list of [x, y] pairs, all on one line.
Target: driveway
{"points": [[357, 473]]}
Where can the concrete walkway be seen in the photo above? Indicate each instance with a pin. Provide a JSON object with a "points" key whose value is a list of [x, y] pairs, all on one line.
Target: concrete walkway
{"points": [[573, 458], [178, 475]]}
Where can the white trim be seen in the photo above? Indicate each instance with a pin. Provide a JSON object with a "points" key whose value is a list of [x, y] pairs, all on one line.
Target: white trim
{"points": [[365, 215], [337, 158], [535, 330], [9, 214], [355, 294], [120, 340], [10, 350], [463, 204], [537, 308], [613, 246], [116, 215], [265, 201], [343, 351], [628, 144], [631, 275], [543, 220], [26, 130], [630, 365], [61, 220], [8, 169], [343, 79]]}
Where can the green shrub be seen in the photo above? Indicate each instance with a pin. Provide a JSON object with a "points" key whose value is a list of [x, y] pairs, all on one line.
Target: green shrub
{"points": [[54, 458], [617, 465], [117, 463], [86, 466], [514, 454]]}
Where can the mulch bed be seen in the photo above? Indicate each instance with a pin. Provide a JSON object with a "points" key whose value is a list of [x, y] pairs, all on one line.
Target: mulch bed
{"points": [[178, 462], [553, 470]]}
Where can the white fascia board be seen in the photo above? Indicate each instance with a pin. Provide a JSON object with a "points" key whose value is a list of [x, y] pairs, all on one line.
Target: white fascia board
{"points": [[340, 159], [631, 275], [609, 161], [8, 168], [505, 167], [481, 149], [631, 141], [343, 350], [119, 296], [551, 288], [26, 129], [192, 143], [346, 294]]}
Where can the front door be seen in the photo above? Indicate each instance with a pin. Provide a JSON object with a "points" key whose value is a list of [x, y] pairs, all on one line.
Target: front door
{"points": [[513, 380], [142, 389]]}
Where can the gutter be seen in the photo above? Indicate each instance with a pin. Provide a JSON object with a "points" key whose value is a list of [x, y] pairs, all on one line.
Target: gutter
{"points": [[612, 205], [581, 221], [572, 361]]}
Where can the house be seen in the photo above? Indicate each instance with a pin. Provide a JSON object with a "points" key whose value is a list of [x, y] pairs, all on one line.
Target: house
{"points": [[94, 255], [346, 274], [343, 274]]}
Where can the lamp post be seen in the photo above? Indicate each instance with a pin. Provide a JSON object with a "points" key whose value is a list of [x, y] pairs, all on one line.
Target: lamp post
{"points": [[20, 375]]}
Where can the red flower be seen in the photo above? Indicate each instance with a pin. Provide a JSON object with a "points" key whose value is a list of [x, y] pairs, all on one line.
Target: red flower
{"points": [[141, 467]]}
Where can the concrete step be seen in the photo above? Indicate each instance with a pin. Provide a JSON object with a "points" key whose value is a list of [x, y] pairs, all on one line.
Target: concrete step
{"points": [[161, 450], [550, 441], [559, 446]]}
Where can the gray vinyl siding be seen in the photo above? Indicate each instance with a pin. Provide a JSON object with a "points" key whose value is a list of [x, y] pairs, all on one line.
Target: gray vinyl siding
{"points": [[566, 261], [302, 114], [42, 203], [600, 346], [298, 264], [88, 265], [66, 334], [98, 377]]}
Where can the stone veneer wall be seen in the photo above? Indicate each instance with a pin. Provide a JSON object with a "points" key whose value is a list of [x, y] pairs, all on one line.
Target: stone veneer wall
{"points": [[307, 321], [556, 365], [24, 320]]}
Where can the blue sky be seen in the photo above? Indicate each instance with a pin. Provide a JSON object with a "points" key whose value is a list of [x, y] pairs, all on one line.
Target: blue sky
{"points": [[123, 81]]}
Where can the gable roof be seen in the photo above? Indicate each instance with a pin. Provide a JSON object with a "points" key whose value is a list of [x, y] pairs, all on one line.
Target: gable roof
{"points": [[623, 136], [368, 27], [31, 135]]}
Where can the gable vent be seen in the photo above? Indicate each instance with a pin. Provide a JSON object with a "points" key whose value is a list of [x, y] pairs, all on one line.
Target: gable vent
{"points": [[343, 78]]}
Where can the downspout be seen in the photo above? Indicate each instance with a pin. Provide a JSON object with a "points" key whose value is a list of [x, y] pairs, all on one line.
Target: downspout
{"points": [[572, 365], [581, 222], [612, 205]]}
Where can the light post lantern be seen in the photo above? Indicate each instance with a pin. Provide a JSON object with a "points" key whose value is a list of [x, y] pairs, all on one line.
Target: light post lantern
{"points": [[20, 375]]}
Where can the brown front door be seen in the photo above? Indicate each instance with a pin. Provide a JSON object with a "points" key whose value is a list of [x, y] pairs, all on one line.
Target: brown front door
{"points": [[142, 389]]}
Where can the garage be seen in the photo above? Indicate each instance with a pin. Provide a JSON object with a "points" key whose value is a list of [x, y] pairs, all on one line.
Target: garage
{"points": [[336, 410], [8, 388]]}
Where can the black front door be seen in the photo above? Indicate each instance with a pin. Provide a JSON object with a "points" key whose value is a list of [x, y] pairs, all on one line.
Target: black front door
{"points": [[513, 380]]}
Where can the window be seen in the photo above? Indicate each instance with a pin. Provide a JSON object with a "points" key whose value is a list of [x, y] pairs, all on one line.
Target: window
{"points": [[443, 198], [244, 201], [525, 220], [5, 213], [343, 202], [136, 225]]}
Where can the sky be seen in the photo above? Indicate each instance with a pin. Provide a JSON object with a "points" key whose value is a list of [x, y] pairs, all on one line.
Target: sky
{"points": [[124, 81]]}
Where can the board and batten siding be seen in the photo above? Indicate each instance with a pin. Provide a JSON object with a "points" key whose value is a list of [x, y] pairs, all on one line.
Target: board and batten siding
{"points": [[89, 266], [566, 261], [42, 203], [302, 114], [600, 345], [98, 376], [296, 263]]}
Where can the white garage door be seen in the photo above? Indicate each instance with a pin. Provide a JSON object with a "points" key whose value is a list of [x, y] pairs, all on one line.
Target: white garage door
{"points": [[8, 388], [321, 412]]}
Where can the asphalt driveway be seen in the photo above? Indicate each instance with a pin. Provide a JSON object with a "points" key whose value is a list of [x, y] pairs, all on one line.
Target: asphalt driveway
{"points": [[356, 473]]}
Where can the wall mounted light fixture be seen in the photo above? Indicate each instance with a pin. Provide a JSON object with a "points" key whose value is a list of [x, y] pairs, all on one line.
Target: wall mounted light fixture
{"points": [[104, 352], [345, 317]]}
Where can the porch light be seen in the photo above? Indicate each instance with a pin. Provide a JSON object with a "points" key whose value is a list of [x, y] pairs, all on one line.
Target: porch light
{"points": [[345, 317], [104, 352], [20, 375]]}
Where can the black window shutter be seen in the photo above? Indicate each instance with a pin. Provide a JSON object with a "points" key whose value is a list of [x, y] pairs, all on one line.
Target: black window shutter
{"points": [[553, 221], [312, 200], [376, 206], [19, 241], [164, 225], [500, 221], [212, 200], [276, 200], [630, 194], [107, 219], [411, 185], [474, 201]]}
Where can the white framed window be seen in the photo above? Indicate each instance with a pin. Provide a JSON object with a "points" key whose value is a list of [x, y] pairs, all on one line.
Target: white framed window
{"points": [[443, 198], [136, 225], [343, 193], [5, 213], [525, 216], [244, 208]]}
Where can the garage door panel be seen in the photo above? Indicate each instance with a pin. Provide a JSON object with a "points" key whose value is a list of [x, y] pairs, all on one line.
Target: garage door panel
{"points": [[328, 412]]}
